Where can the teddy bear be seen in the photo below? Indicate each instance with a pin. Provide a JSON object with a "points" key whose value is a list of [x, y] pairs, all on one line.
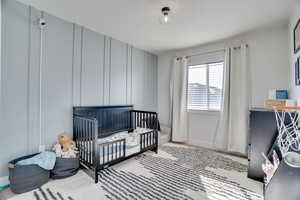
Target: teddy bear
{"points": [[66, 147], [65, 141]]}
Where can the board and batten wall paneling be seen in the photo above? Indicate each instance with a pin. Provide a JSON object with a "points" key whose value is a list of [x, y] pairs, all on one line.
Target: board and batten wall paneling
{"points": [[79, 67], [150, 91], [147, 97], [57, 79], [14, 82], [92, 69], [155, 78], [118, 72], [138, 69], [34, 89], [77, 63], [106, 82], [129, 75]]}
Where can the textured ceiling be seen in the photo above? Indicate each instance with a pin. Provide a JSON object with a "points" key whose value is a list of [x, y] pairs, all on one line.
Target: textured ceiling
{"points": [[194, 22]]}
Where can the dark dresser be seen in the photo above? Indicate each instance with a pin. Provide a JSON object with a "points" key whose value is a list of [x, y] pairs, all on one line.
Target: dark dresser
{"points": [[284, 184], [262, 135]]}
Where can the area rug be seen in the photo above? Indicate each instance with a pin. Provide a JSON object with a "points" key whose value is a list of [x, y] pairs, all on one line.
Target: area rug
{"points": [[177, 172]]}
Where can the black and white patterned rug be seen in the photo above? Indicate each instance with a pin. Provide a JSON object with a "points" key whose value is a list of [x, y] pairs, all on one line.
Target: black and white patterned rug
{"points": [[177, 172]]}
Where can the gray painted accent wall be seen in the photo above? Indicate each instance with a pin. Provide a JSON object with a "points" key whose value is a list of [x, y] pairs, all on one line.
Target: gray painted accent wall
{"points": [[14, 82], [80, 67], [92, 69]]}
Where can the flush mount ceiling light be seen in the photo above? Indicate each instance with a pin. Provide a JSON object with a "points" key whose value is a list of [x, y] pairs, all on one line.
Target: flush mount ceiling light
{"points": [[165, 18], [166, 10]]}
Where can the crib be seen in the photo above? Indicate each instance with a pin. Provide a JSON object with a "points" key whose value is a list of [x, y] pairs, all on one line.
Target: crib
{"points": [[107, 135]]}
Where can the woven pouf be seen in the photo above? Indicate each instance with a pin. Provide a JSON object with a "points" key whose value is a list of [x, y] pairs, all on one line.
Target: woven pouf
{"points": [[65, 167], [24, 178]]}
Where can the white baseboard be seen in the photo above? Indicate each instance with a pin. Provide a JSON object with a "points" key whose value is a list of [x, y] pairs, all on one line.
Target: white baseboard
{"points": [[4, 181], [200, 143]]}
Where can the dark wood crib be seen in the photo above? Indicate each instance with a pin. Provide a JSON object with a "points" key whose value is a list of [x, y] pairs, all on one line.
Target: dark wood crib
{"points": [[91, 123]]}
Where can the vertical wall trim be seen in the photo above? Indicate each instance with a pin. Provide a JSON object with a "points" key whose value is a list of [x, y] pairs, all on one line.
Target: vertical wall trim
{"points": [[131, 71], [128, 75], [103, 75], [126, 78], [109, 88], [81, 56], [73, 65], [145, 66], [28, 81], [41, 60], [106, 92]]}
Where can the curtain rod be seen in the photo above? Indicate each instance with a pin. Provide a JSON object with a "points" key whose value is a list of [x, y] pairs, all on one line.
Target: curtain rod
{"points": [[198, 54], [238, 47]]}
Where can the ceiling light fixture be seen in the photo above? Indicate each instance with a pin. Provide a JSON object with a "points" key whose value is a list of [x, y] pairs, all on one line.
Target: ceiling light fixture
{"points": [[165, 15]]}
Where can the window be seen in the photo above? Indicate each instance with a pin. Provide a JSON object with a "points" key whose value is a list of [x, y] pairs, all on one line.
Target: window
{"points": [[205, 86]]}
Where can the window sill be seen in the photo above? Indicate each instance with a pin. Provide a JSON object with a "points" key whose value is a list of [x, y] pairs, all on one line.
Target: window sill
{"points": [[203, 111]]}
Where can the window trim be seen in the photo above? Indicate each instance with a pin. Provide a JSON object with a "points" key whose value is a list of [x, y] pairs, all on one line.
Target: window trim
{"points": [[208, 110], [203, 111]]}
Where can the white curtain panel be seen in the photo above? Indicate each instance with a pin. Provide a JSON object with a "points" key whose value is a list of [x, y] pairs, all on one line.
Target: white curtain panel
{"points": [[221, 136], [233, 124], [178, 97]]}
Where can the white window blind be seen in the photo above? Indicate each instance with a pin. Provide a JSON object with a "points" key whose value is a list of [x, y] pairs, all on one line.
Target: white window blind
{"points": [[205, 86]]}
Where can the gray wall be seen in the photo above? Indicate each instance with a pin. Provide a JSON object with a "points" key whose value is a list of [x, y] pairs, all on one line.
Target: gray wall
{"points": [[80, 67]]}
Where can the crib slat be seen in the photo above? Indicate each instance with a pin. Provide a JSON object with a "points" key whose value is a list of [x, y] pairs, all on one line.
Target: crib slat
{"points": [[112, 151], [107, 153], [84, 138], [145, 118], [89, 142], [80, 138], [82, 142], [124, 148], [116, 148], [146, 139], [135, 120], [140, 121], [103, 154], [143, 141]]}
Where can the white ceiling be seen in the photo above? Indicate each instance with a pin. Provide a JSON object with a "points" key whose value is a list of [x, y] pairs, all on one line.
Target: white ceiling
{"points": [[194, 22]]}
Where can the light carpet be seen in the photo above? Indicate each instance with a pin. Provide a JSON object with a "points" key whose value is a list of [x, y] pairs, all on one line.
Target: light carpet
{"points": [[177, 172]]}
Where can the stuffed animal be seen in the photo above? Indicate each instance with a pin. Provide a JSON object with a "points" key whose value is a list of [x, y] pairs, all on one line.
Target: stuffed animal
{"points": [[57, 149], [66, 148], [72, 153], [65, 141]]}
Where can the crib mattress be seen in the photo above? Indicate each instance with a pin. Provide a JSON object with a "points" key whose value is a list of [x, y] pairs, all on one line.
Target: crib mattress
{"points": [[132, 139], [132, 143]]}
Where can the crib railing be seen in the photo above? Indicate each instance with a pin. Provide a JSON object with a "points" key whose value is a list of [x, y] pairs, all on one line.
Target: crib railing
{"points": [[112, 152], [144, 119], [86, 135], [148, 140], [97, 156], [148, 120]]}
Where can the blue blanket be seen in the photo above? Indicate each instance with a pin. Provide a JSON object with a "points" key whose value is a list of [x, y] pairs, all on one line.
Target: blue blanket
{"points": [[45, 160]]}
